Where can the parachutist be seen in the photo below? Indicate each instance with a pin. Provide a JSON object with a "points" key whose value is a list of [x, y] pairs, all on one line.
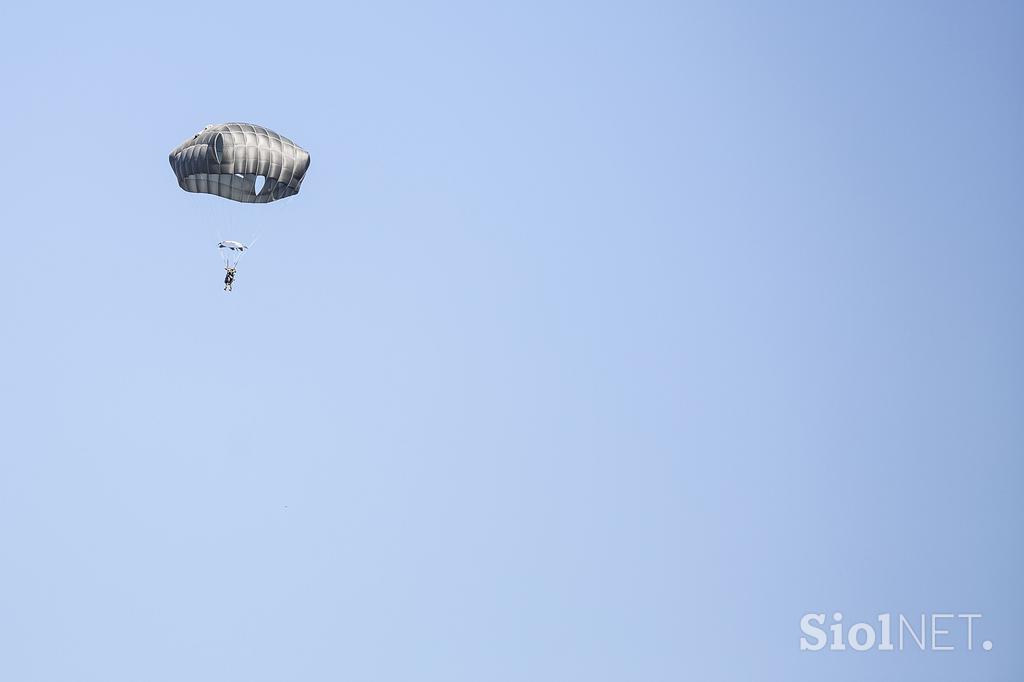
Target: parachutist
{"points": [[239, 162]]}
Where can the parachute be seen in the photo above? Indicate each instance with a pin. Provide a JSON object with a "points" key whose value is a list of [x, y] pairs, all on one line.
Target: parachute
{"points": [[242, 162]]}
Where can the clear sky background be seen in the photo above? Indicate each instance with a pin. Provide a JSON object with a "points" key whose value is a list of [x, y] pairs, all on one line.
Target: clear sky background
{"points": [[603, 341]]}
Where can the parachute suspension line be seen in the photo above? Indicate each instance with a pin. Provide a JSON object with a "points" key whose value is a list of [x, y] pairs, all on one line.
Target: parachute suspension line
{"points": [[220, 222], [215, 215]]}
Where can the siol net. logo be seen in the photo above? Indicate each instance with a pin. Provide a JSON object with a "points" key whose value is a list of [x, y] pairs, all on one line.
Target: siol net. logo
{"points": [[928, 632]]}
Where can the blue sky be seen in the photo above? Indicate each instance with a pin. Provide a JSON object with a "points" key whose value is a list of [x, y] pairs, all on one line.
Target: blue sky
{"points": [[603, 342]]}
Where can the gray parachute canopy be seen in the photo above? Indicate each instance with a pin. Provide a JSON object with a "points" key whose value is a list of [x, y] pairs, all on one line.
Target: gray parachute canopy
{"points": [[240, 161]]}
